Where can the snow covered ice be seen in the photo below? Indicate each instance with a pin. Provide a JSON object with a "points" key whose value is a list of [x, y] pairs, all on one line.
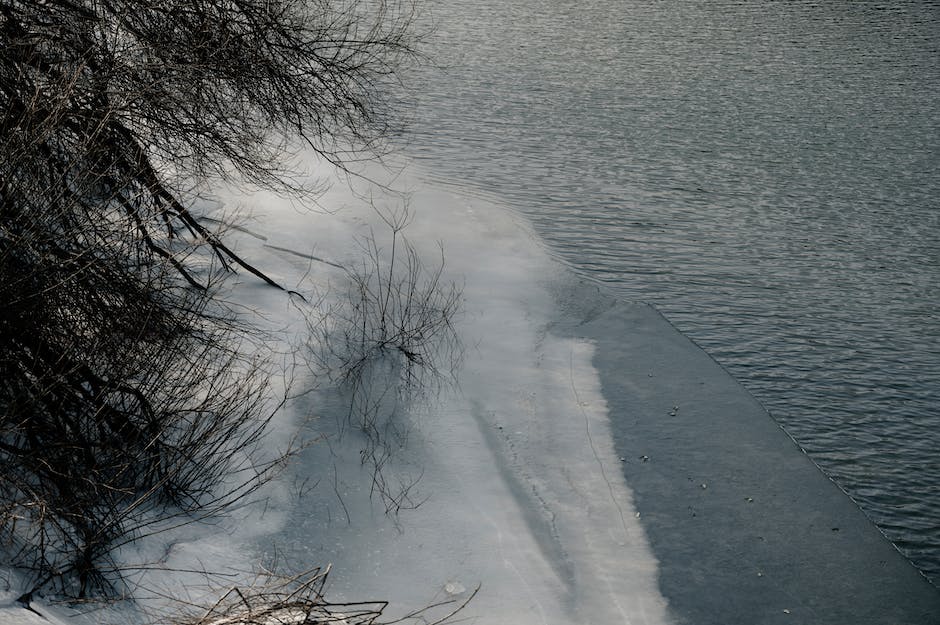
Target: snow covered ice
{"points": [[513, 486], [520, 491]]}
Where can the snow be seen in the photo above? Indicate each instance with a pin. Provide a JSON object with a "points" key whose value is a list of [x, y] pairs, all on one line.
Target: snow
{"points": [[20, 616], [14, 613], [516, 486]]}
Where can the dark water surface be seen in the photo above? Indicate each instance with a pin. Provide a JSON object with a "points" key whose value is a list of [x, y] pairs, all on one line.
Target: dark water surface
{"points": [[766, 173]]}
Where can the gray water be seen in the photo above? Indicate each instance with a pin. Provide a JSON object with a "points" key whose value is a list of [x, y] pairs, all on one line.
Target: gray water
{"points": [[766, 173]]}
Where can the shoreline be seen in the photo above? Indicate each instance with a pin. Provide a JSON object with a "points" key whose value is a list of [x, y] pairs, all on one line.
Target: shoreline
{"points": [[745, 526]]}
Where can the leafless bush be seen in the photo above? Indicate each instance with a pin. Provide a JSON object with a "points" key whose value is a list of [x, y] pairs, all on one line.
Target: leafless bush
{"points": [[104, 101], [300, 600], [392, 341], [126, 396], [121, 408]]}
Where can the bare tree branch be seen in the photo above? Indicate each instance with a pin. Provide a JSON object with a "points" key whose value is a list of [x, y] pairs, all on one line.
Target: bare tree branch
{"points": [[126, 391]]}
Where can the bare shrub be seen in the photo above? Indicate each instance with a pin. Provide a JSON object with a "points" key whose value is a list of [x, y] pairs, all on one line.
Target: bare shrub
{"points": [[121, 408], [390, 343], [300, 600], [126, 394]]}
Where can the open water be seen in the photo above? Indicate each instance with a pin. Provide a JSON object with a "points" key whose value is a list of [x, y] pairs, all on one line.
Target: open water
{"points": [[766, 173]]}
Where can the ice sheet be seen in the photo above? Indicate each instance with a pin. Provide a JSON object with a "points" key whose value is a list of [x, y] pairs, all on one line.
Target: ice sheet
{"points": [[515, 486]]}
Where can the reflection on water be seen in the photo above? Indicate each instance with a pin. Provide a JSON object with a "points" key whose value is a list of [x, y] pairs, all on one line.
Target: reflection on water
{"points": [[768, 174]]}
